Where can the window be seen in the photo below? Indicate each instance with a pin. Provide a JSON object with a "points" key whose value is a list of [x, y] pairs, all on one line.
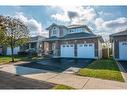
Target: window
{"points": [[85, 45], [71, 45], [79, 29], [124, 43], [90, 44], [72, 30], [80, 45], [54, 31]]}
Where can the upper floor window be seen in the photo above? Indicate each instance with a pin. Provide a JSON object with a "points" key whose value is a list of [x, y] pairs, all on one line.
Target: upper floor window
{"points": [[79, 29], [72, 30], [76, 30], [54, 31]]}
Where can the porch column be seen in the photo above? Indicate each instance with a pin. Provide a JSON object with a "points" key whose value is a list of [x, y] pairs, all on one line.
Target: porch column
{"points": [[42, 47], [57, 48], [29, 45], [75, 48]]}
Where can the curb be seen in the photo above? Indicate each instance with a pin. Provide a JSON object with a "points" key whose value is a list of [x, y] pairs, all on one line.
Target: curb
{"points": [[122, 71]]}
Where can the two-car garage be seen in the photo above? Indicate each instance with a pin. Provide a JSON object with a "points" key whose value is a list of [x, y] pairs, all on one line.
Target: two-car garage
{"points": [[86, 50]]}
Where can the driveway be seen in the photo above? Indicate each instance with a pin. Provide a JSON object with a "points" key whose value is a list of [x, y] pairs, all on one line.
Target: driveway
{"points": [[124, 64], [59, 64], [10, 81]]}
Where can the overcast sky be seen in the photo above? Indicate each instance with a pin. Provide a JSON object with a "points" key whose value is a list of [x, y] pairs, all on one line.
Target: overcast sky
{"points": [[103, 20]]}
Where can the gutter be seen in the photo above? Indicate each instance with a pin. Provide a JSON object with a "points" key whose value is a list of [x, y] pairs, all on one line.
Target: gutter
{"points": [[71, 38]]}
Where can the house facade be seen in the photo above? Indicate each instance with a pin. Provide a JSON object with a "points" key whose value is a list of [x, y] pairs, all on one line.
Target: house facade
{"points": [[119, 45], [35, 43], [74, 41]]}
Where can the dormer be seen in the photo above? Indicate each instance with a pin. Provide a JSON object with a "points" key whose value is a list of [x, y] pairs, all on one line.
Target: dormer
{"points": [[78, 29], [57, 30]]}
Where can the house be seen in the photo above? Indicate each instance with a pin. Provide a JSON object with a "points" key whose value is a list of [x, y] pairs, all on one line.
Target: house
{"points": [[119, 45], [74, 41], [35, 43]]}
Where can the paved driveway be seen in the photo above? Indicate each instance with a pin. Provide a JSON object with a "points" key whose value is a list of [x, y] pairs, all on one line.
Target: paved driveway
{"points": [[58, 64], [124, 64], [10, 81]]}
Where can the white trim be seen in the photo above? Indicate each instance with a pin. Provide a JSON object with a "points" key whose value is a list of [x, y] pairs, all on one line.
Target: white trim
{"points": [[72, 38]]}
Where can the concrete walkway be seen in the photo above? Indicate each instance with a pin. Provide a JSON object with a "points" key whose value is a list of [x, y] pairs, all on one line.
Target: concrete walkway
{"points": [[72, 80]]}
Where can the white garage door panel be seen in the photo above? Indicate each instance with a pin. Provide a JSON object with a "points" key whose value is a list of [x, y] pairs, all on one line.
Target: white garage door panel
{"points": [[123, 50], [67, 50], [85, 50], [16, 50]]}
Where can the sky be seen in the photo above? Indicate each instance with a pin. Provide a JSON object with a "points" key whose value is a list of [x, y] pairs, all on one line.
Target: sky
{"points": [[102, 20]]}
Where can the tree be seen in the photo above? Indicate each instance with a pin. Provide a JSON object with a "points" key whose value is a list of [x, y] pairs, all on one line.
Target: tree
{"points": [[2, 31], [14, 31]]}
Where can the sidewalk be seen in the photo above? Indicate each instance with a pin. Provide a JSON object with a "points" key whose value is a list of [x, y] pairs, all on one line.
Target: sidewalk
{"points": [[72, 80], [78, 82]]}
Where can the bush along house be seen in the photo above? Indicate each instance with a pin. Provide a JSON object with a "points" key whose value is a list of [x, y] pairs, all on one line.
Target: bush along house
{"points": [[74, 41]]}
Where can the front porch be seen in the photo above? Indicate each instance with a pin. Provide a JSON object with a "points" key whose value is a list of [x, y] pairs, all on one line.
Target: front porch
{"points": [[52, 48]]}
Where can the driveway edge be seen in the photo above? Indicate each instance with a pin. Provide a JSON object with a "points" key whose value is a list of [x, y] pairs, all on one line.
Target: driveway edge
{"points": [[122, 70]]}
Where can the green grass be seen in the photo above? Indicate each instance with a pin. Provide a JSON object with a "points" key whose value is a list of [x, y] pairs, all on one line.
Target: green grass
{"points": [[7, 59], [104, 69], [62, 87]]}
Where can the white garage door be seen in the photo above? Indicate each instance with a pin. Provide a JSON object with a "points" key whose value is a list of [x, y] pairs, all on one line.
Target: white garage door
{"points": [[67, 50], [16, 50], [85, 50], [123, 50]]}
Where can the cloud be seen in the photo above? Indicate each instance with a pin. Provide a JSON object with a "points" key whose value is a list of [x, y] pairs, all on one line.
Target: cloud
{"points": [[75, 15], [119, 22], [34, 26], [72, 14], [115, 25], [105, 28], [61, 17], [98, 23]]}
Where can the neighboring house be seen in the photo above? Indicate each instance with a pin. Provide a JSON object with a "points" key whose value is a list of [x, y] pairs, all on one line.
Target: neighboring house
{"points": [[75, 41], [119, 45], [15, 51], [35, 43]]}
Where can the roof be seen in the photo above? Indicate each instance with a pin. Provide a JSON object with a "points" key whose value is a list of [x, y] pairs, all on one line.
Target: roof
{"points": [[36, 38], [52, 38], [75, 36], [76, 26], [61, 26], [120, 33], [78, 35]]}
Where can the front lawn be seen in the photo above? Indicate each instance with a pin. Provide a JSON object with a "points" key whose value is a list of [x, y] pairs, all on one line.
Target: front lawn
{"points": [[7, 59], [104, 69], [62, 87]]}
